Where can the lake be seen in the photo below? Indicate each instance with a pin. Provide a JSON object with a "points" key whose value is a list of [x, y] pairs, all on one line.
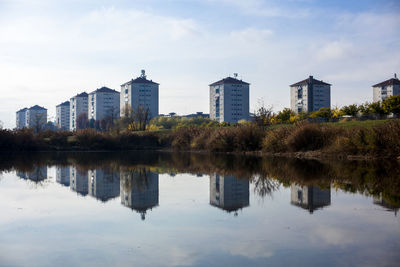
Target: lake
{"points": [[187, 209]]}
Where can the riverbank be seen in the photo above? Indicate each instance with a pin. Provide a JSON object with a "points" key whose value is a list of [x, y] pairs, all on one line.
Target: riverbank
{"points": [[352, 140]]}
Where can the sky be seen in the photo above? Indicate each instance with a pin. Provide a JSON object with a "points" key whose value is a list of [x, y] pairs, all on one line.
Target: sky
{"points": [[53, 50]]}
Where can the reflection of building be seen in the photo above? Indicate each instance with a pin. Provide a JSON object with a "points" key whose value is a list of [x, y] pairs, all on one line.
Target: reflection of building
{"points": [[381, 201], [79, 181], [310, 197], [228, 192], [62, 175], [38, 174], [103, 184], [139, 191]]}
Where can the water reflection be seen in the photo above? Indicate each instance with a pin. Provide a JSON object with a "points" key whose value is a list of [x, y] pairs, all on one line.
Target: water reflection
{"points": [[62, 175], [38, 174], [79, 181], [139, 190], [310, 198], [103, 184], [229, 193]]}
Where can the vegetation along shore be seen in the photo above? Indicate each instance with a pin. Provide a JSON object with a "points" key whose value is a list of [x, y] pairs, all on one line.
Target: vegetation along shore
{"points": [[351, 132]]}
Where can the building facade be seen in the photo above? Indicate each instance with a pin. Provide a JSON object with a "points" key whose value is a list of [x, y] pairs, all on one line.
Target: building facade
{"points": [[21, 118], [103, 184], [310, 95], [63, 116], [140, 92], [104, 103], [229, 100], [386, 89], [78, 106], [62, 175], [78, 181], [36, 117]]}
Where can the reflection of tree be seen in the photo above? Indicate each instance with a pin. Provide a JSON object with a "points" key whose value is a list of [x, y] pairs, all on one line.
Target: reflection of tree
{"points": [[264, 186]]}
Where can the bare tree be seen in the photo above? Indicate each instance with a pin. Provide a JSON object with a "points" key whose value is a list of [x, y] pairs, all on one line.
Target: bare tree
{"points": [[141, 117], [82, 121], [263, 115], [38, 122]]}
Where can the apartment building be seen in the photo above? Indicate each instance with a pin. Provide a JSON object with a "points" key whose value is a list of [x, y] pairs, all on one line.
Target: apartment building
{"points": [[104, 103], [309, 198], [21, 118], [385, 89], [310, 95], [103, 184], [140, 92], [36, 117], [63, 116], [78, 106], [229, 100]]}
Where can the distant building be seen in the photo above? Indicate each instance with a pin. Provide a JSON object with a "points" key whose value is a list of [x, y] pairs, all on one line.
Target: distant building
{"points": [[309, 197], [78, 106], [62, 175], [229, 100], [103, 184], [196, 115], [78, 181], [139, 191], [229, 193], [140, 92], [21, 118], [310, 95], [104, 103], [36, 117], [63, 116], [385, 89]]}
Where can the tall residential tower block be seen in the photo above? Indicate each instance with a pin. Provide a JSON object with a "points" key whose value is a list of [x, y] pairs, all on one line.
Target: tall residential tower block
{"points": [[63, 116], [140, 92], [104, 103], [310, 95], [78, 106], [229, 100], [385, 89]]}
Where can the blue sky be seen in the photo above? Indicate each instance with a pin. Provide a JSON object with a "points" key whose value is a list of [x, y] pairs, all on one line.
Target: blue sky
{"points": [[52, 50]]}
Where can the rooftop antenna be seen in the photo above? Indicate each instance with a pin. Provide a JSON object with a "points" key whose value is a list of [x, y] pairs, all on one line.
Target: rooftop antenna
{"points": [[143, 75], [235, 75]]}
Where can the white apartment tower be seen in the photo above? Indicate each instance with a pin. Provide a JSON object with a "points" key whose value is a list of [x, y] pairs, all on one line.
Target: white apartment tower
{"points": [[78, 106], [229, 100], [386, 89], [36, 117], [104, 103], [310, 95], [63, 116], [21, 118], [140, 92]]}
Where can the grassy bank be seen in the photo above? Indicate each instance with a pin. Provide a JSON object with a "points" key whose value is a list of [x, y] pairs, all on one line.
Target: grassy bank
{"points": [[366, 138]]}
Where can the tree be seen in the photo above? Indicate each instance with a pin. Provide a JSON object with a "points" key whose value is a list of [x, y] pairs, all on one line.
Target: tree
{"points": [[392, 105], [82, 121], [376, 108], [351, 110], [324, 113], [284, 115], [263, 115], [38, 122]]}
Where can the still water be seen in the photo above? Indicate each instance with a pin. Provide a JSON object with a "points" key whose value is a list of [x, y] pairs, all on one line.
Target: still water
{"points": [[166, 209]]}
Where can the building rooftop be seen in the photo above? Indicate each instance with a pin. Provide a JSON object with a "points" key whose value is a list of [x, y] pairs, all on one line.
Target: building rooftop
{"points": [[66, 103], [83, 94], [104, 90], [36, 107], [229, 80], [22, 109], [139, 80], [310, 80], [391, 81]]}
